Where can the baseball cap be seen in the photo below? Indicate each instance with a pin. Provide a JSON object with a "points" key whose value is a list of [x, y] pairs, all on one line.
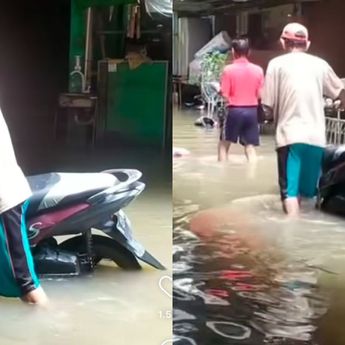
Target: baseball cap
{"points": [[295, 32]]}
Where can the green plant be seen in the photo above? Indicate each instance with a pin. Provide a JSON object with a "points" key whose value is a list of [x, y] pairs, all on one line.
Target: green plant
{"points": [[212, 66]]}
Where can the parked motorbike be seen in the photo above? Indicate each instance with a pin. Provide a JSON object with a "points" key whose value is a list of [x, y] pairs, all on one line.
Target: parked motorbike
{"points": [[77, 205], [331, 193]]}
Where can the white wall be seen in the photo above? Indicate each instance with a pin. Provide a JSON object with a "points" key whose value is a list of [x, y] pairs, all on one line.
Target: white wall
{"points": [[193, 34]]}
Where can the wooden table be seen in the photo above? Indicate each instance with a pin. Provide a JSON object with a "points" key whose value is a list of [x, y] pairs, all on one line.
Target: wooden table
{"points": [[178, 82], [76, 106]]}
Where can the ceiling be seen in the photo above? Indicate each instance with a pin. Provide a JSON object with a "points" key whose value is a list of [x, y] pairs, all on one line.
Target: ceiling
{"points": [[207, 7]]}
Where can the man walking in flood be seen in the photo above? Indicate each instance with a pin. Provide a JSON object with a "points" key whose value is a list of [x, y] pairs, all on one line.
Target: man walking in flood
{"points": [[17, 273], [295, 85], [241, 85]]}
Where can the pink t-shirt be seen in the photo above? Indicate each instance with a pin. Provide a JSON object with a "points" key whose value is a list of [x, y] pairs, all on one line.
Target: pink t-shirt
{"points": [[242, 82]]}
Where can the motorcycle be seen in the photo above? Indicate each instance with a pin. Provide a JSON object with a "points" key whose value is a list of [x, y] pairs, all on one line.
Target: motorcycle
{"points": [[331, 191], [76, 205]]}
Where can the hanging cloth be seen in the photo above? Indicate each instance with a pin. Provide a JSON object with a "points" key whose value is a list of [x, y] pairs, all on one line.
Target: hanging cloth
{"points": [[164, 7]]}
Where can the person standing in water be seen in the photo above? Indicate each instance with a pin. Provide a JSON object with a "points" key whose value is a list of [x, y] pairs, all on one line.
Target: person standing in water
{"points": [[241, 84], [295, 85], [17, 273]]}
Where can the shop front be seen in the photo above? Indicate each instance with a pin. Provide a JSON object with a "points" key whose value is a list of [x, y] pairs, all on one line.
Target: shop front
{"points": [[119, 60]]}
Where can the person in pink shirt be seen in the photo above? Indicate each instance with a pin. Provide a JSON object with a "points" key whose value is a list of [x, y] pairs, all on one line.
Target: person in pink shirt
{"points": [[241, 85]]}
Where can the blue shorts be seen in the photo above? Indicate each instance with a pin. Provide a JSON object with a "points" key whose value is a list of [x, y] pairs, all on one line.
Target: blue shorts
{"points": [[241, 125], [299, 168], [17, 274]]}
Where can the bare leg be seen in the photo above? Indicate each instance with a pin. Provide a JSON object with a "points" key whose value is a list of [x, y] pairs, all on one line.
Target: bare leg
{"points": [[223, 150], [291, 207], [36, 296], [250, 153]]}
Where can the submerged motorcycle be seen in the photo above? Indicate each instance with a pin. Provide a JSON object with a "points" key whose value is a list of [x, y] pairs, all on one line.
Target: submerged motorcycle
{"points": [[77, 205], [331, 193]]}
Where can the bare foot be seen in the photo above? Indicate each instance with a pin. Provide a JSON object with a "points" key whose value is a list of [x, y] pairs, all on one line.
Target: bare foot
{"points": [[291, 207], [36, 296]]}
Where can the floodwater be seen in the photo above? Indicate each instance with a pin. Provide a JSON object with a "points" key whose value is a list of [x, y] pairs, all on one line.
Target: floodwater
{"points": [[110, 306], [244, 274]]}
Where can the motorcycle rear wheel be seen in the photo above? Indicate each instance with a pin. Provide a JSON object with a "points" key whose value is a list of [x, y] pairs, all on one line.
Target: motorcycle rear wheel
{"points": [[103, 248]]}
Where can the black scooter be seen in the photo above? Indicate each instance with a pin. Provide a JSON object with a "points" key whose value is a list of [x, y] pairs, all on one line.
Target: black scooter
{"points": [[75, 204], [331, 193]]}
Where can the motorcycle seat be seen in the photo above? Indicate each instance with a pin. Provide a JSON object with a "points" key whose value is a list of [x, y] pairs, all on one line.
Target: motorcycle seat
{"points": [[61, 189], [333, 157]]}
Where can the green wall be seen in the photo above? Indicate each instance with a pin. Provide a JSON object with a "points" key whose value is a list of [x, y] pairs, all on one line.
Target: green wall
{"points": [[136, 106]]}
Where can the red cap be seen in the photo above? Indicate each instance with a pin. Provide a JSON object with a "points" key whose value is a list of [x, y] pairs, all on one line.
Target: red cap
{"points": [[295, 32]]}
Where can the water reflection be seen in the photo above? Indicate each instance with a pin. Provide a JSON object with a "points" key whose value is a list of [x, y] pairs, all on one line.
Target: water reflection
{"points": [[228, 293], [243, 274]]}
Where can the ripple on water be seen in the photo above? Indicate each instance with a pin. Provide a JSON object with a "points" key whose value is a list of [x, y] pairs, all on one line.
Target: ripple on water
{"points": [[226, 292]]}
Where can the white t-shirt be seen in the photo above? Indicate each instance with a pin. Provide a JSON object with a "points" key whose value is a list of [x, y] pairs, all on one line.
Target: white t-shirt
{"points": [[295, 84], [14, 187]]}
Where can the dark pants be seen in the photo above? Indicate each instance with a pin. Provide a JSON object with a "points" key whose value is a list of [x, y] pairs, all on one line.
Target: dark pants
{"points": [[241, 125]]}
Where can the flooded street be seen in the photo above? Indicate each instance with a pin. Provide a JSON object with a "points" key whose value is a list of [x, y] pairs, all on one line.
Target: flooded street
{"points": [[243, 274], [110, 306]]}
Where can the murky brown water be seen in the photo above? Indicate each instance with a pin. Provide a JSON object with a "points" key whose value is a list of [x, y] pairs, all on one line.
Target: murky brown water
{"points": [[246, 275], [110, 306]]}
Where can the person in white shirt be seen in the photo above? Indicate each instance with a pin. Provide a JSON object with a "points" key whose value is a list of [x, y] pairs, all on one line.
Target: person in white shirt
{"points": [[294, 87], [17, 273]]}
